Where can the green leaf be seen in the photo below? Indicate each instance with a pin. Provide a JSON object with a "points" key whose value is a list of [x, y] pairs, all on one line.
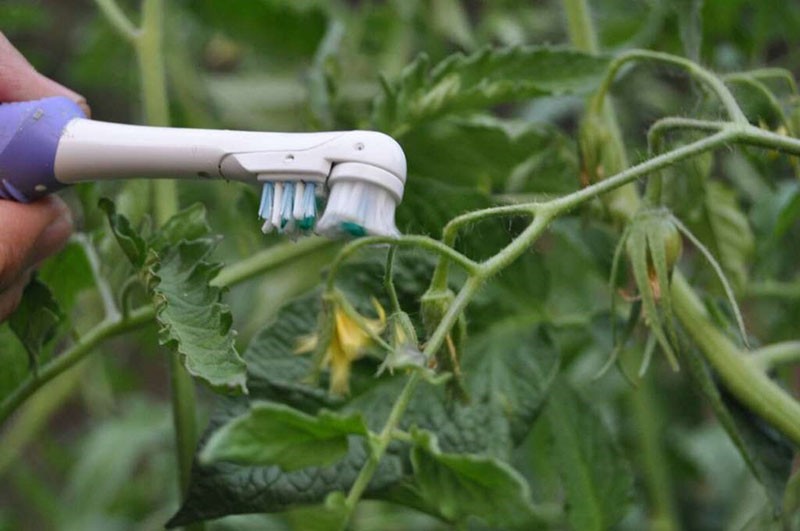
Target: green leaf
{"points": [[193, 320], [577, 281], [274, 434], [489, 77], [132, 244], [462, 485], [768, 454], [15, 360], [188, 224], [596, 477], [508, 368], [67, 274], [493, 154], [36, 319]]}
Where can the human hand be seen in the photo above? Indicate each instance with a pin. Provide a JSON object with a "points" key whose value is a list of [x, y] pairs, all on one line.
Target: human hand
{"points": [[28, 233]]}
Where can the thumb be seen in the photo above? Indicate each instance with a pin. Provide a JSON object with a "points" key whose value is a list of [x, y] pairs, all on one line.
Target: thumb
{"points": [[31, 233], [19, 81]]}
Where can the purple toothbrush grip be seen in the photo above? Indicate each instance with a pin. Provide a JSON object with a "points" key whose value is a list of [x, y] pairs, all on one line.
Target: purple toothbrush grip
{"points": [[29, 135]]}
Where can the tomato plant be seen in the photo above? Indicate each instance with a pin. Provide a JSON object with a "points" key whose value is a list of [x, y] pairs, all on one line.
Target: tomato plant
{"points": [[572, 210]]}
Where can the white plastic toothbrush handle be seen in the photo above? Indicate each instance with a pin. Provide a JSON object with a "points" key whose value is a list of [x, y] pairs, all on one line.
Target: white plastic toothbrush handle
{"points": [[91, 150]]}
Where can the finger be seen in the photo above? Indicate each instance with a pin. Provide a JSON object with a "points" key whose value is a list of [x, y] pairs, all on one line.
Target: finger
{"points": [[30, 233], [11, 297], [19, 81]]}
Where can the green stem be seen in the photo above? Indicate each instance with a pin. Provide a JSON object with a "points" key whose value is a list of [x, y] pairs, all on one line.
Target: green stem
{"points": [[774, 289], [423, 242], [771, 356], [450, 232], [518, 245], [655, 137], [34, 417], [379, 444], [739, 373], [579, 26], [269, 259], [757, 85], [664, 125], [111, 312], [767, 139], [150, 54], [696, 71], [584, 37], [388, 281], [117, 18], [774, 73], [646, 415], [562, 204], [72, 356]]}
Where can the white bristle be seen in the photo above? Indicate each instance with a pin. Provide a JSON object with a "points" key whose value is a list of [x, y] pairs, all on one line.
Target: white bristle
{"points": [[277, 200], [299, 191], [357, 208]]}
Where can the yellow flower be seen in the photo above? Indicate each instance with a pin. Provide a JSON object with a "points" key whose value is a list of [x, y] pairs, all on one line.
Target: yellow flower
{"points": [[351, 335]]}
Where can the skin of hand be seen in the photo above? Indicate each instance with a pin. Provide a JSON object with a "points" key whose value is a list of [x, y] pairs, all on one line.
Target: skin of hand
{"points": [[28, 233]]}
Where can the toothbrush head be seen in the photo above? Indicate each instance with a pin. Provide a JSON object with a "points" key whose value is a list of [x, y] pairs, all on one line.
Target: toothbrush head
{"points": [[363, 186]]}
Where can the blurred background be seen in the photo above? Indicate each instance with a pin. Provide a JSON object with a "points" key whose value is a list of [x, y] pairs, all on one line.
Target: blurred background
{"points": [[95, 451]]}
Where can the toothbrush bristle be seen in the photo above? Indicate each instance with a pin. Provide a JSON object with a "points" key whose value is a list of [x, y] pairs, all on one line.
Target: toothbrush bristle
{"points": [[355, 208], [289, 207], [358, 208]]}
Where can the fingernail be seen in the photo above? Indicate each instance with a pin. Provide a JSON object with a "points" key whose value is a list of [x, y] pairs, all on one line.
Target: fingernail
{"points": [[69, 93], [85, 107]]}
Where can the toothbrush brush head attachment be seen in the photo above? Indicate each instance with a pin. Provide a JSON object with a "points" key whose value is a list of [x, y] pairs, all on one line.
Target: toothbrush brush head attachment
{"points": [[358, 175]]}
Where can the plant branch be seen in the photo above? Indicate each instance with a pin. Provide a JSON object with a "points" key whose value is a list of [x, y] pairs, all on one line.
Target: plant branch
{"points": [[774, 73], [423, 242], [696, 71], [739, 373], [269, 259], [771, 356], [757, 85], [111, 311], [568, 202], [71, 356], [117, 18]]}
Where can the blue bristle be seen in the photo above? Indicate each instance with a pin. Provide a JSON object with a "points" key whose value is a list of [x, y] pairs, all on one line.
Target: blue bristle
{"points": [[265, 208], [288, 203], [309, 208]]}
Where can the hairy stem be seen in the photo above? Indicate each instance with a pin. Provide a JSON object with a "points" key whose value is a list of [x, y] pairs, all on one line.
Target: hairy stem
{"points": [[693, 69], [571, 201]]}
